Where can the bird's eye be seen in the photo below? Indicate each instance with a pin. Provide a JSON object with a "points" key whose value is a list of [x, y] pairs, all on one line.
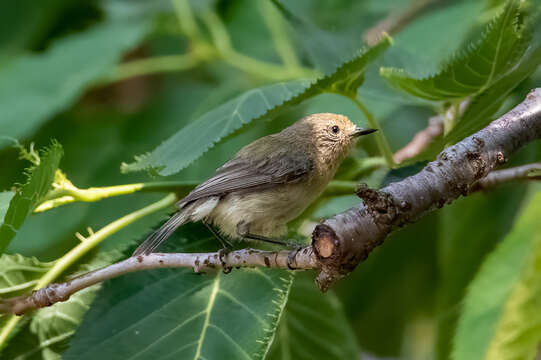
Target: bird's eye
{"points": [[335, 129]]}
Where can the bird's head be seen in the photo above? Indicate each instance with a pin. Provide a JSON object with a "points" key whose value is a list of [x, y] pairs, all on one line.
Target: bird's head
{"points": [[333, 135]]}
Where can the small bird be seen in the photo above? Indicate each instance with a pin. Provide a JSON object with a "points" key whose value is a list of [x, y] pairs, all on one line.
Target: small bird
{"points": [[268, 183]]}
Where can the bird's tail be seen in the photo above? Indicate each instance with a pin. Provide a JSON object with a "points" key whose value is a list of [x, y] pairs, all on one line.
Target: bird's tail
{"points": [[157, 237]]}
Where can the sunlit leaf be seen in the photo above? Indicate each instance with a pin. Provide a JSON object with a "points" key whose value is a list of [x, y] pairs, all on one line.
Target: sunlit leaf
{"points": [[313, 326], [40, 178], [49, 329], [19, 274], [489, 292], [485, 217], [518, 333]]}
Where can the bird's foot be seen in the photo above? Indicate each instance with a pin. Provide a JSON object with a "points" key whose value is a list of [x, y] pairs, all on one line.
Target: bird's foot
{"points": [[222, 254], [291, 257]]}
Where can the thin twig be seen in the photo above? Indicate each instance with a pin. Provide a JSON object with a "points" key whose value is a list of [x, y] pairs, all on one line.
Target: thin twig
{"points": [[421, 140], [435, 128], [497, 177], [199, 262], [396, 21]]}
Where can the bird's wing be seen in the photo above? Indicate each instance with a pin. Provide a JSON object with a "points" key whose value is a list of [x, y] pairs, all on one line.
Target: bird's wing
{"points": [[244, 174]]}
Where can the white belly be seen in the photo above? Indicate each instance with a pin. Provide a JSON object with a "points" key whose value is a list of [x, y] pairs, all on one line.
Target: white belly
{"points": [[266, 212]]}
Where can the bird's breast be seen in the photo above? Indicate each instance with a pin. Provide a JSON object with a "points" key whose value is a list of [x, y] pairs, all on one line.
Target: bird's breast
{"points": [[267, 211]]}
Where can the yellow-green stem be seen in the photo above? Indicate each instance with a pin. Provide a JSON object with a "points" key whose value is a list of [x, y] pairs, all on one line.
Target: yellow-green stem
{"points": [[229, 55], [280, 38], [381, 140], [186, 20], [152, 65], [340, 187], [83, 248], [66, 195]]}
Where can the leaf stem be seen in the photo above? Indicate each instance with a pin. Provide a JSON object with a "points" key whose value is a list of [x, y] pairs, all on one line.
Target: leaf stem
{"points": [[66, 192], [152, 65], [186, 20], [280, 38], [381, 140], [340, 187], [229, 55], [83, 248]]}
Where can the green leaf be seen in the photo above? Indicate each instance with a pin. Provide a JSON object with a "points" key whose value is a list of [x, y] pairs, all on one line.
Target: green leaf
{"points": [[47, 333], [5, 198], [36, 87], [30, 194], [54, 325], [192, 141], [313, 326], [480, 112], [485, 217], [486, 104], [477, 67], [518, 333], [174, 313], [349, 76], [494, 285], [19, 274], [200, 135], [325, 49]]}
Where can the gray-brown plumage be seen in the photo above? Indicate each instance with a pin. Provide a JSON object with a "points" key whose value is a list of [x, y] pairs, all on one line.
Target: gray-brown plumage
{"points": [[268, 183]]}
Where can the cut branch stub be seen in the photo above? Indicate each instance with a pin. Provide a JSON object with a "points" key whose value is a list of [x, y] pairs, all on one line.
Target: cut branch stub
{"points": [[346, 239]]}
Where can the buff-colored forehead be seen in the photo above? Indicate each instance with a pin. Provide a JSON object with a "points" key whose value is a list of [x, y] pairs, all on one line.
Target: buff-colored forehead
{"points": [[324, 119]]}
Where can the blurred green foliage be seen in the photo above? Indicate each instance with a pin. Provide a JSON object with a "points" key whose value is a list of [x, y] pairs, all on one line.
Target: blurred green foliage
{"points": [[111, 80]]}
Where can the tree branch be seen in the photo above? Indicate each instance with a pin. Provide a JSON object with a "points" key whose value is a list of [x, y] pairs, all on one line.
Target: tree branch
{"points": [[200, 262], [343, 241], [340, 243]]}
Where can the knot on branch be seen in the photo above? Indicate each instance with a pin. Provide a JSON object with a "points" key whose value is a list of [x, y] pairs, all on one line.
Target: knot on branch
{"points": [[326, 247], [379, 204], [47, 296], [340, 245]]}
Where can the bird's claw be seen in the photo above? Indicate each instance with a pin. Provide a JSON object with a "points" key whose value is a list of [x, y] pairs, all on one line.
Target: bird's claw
{"points": [[222, 253], [291, 257]]}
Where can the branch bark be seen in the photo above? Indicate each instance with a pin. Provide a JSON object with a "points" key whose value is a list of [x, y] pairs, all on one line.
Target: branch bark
{"points": [[340, 243]]}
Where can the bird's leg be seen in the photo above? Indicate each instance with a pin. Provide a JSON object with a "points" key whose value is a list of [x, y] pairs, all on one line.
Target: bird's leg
{"points": [[244, 232], [225, 243], [292, 254], [226, 247]]}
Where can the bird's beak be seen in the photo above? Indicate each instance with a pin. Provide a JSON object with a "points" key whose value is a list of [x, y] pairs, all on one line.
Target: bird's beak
{"points": [[360, 131]]}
